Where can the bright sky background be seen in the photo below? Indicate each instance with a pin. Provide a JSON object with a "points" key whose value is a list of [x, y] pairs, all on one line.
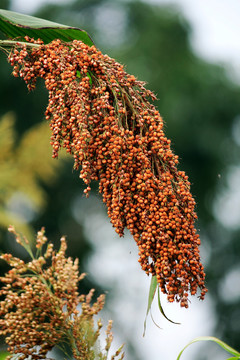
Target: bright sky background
{"points": [[216, 34], [216, 28]]}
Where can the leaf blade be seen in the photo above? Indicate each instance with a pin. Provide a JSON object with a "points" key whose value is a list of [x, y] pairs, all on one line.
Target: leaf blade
{"points": [[152, 290], [16, 25]]}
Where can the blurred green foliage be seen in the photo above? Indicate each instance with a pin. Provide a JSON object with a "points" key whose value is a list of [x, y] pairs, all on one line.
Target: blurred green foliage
{"points": [[3, 355], [23, 166], [198, 101]]}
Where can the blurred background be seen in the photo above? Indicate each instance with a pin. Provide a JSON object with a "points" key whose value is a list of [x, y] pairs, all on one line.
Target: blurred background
{"points": [[188, 53]]}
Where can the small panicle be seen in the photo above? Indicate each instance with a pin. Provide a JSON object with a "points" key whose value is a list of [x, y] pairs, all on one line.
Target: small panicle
{"points": [[39, 307], [103, 117], [19, 239], [41, 239]]}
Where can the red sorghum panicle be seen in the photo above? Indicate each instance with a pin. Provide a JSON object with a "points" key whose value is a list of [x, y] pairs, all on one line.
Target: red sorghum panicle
{"points": [[102, 116], [41, 308]]}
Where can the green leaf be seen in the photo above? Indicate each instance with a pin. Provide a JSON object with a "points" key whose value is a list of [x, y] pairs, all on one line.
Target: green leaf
{"points": [[152, 290], [219, 342], [15, 25], [161, 310]]}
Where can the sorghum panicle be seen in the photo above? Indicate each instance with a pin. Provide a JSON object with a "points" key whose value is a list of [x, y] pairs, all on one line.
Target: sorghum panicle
{"points": [[102, 116]]}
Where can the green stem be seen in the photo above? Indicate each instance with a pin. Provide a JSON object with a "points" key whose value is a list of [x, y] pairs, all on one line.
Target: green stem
{"points": [[6, 44]]}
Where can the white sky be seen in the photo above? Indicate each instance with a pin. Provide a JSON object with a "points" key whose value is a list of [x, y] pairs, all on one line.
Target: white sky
{"points": [[216, 34], [216, 27]]}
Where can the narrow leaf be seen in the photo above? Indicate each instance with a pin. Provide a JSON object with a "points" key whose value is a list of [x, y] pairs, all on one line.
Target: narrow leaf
{"points": [[16, 25], [152, 290], [219, 342], [162, 312]]}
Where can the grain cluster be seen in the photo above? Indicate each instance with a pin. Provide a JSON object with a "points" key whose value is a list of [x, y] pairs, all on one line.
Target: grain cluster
{"points": [[105, 119]]}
